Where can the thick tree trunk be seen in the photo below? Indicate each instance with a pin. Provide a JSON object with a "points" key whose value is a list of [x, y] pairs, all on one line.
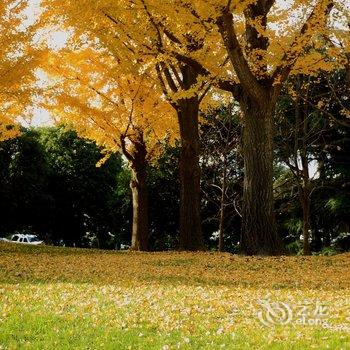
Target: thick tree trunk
{"points": [[190, 222], [190, 174], [259, 234], [138, 184]]}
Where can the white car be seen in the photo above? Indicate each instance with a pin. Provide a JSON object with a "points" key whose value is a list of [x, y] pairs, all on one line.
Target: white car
{"points": [[25, 239]]}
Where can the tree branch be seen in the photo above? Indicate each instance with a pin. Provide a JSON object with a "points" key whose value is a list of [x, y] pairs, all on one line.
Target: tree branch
{"points": [[247, 79], [289, 59], [125, 151]]}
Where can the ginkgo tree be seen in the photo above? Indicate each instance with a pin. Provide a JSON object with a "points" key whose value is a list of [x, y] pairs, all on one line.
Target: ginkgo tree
{"points": [[339, 41], [17, 69], [248, 48], [135, 39], [121, 112]]}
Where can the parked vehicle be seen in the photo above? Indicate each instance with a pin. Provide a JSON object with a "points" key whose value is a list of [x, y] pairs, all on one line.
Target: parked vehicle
{"points": [[25, 239]]}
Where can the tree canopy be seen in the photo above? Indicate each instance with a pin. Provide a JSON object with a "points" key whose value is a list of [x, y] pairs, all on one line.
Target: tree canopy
{"points": [[18, 62]]}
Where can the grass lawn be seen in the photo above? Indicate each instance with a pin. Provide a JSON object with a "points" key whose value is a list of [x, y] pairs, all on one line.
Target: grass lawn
{"points": [[61, 298]]}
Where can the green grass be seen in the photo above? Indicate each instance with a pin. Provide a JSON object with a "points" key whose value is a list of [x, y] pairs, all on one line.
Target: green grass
{"points": [[61, 298]]}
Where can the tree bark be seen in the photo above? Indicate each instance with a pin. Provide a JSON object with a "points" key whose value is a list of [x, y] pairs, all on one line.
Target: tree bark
{"points": [[305, 202], [259, 234], [347, 69], [190, 175], [305, 193], [222, 209], [138, 185], [304, 187], [190, 221]]}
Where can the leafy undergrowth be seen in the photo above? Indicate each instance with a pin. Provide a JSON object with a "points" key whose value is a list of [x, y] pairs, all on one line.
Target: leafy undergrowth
{"points": [[61, 298]]}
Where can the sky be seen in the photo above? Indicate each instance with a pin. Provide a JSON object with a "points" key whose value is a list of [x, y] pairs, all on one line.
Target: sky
{"points": [[56, 40]]}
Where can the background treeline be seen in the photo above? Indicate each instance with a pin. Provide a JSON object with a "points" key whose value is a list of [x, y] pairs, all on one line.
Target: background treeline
{"points": [[50, 184]]}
